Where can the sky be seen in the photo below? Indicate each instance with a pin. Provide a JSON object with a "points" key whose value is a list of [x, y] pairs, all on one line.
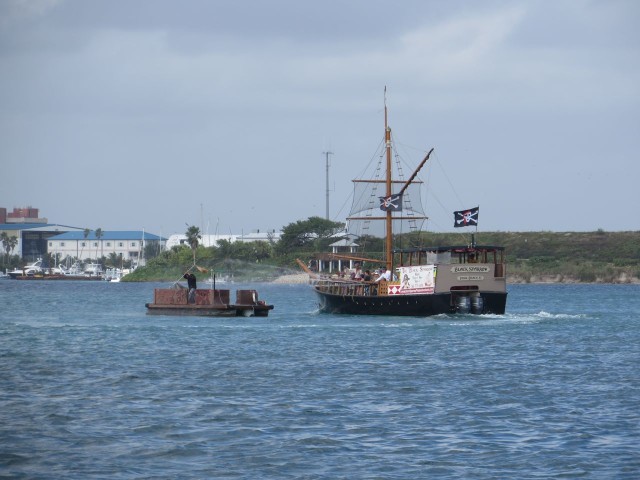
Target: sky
{"points": [[158, 114]]}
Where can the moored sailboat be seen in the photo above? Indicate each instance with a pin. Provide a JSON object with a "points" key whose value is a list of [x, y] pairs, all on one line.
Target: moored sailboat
{"points": [[418, 280]]}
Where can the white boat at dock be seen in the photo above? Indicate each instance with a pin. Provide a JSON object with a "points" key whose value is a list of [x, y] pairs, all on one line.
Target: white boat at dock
{"points": [[28, 270]]}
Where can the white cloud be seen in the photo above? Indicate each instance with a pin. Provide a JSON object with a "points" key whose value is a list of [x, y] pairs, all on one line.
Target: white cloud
{"points": [[491, 84]]}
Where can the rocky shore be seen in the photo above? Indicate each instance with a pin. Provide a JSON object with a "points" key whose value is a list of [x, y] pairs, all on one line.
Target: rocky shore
{"points": [[294, 279]]}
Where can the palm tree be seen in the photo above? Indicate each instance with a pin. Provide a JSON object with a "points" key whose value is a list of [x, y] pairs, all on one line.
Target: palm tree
{"points": [[13, 243], [85, 234], [99, 235], [193, 235], [8, 244], [4, 238]]}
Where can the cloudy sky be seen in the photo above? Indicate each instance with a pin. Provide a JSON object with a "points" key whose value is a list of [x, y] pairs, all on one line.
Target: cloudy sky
{"points": [[155, 114]]}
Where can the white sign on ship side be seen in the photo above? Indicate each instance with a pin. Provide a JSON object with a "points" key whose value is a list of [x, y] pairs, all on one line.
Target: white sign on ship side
{"points": [[414, 280]]}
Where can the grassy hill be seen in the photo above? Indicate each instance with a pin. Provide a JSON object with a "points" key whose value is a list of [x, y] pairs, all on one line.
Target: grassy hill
{"points": [[609, 257]]}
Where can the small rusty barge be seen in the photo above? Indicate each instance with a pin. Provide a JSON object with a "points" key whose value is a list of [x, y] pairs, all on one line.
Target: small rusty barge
{"points": [[208, 303]]}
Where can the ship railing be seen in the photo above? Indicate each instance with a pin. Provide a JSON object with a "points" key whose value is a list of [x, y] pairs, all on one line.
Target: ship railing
{"points": [[347, 287]]}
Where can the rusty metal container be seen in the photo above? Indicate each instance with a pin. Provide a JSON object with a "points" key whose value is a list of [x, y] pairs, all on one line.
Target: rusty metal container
{"points": [[246, 297], [204, 297], [169, 296], [219, 297]]}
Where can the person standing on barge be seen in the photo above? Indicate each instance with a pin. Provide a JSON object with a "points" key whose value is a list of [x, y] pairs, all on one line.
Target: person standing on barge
{"points": [[191, 284]]}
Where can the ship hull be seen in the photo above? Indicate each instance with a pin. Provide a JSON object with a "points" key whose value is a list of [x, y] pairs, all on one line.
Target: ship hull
{"points": [[210, 310], [408, 305]]}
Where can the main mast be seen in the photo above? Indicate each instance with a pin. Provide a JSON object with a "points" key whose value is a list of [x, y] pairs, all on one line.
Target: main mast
{"points": [[389, 219], [388, 180]]}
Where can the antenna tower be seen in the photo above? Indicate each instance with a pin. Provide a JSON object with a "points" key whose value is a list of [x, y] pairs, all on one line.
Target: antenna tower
{"points": [[326, 154]]}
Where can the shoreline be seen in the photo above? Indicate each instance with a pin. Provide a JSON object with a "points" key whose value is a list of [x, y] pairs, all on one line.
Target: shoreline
{"points": [[568, 280], [293, 279]]}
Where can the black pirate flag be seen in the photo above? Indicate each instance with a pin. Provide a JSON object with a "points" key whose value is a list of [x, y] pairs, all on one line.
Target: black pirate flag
{"points": [[392, 203], [466, 218]]}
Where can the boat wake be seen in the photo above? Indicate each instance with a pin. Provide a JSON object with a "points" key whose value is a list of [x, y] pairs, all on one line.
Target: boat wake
{"points": [[543, 314]]}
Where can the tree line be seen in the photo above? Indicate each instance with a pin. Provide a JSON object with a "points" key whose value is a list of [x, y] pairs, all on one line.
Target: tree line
{"points": [[581, 256], [242, 260], [596, 256]]}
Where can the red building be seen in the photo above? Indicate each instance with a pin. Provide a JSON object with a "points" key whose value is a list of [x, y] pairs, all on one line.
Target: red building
{"points": [[21, 215]]}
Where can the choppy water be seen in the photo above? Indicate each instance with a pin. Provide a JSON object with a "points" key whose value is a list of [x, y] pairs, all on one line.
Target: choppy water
{"points": [[91, 387]]}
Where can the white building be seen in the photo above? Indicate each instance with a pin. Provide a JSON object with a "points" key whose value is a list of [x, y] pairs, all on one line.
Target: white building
{"points": [[212, 240], [32, 237], [130, 244]]}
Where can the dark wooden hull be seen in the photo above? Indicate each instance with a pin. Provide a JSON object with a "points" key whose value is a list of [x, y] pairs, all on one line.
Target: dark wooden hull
{"points": [[407, 305]]}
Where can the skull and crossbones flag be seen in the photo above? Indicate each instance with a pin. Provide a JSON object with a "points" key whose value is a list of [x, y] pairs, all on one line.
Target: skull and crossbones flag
{"points": [[392, 203], [466, 218]]}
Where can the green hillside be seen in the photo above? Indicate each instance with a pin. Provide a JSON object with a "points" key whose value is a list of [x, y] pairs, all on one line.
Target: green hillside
{"points": [[610, 257], [607, 257]]}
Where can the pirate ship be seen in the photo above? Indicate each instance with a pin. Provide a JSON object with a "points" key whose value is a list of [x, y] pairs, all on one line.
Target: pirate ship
{"points": [[419, 280]]}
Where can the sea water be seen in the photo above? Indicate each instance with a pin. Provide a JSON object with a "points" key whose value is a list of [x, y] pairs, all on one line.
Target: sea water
{"points": [[93, 388]]}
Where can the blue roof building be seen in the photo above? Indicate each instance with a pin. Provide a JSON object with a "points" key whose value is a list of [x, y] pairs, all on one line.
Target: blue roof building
{"points": [[128, 244], [35, 240], [109, 235], [32, 237]]}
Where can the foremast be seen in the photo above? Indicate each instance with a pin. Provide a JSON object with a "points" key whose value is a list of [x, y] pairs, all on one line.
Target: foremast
{"points": [[389, 217]]}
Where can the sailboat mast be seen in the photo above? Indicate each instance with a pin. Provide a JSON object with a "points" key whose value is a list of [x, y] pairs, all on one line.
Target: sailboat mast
{"points": [[389, 229]]}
